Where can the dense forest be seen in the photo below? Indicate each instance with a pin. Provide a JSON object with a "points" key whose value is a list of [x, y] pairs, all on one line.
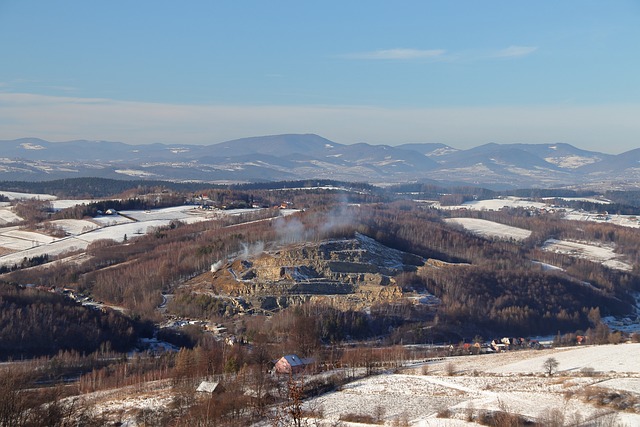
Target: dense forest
{"points": [[33, 322]]}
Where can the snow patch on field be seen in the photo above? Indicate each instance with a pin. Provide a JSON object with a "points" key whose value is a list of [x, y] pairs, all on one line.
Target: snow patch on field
{"points": [[571, 162], [58, 247], [135, 173], [511, 381], [58, 205], [185, 213], [581, 199], [75, 226], [12, 195], [626, 384], [602, 358], [15, 239], [23, 244], [622, 220], [109, 220], [398, 394], [547, 267], [7, 216], [591, 251], [496, 204], [490, 229], [117, 232]]}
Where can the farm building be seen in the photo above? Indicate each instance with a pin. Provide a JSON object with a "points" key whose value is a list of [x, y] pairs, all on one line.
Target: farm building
{"points": [[291, 364], [210, 387]]}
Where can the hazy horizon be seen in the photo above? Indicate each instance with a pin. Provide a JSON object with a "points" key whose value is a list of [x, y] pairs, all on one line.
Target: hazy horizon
{"points": [[460, 74]]}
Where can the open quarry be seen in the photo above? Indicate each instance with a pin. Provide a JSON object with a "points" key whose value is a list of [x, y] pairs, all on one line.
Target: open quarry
{"points": [[350, 273]]}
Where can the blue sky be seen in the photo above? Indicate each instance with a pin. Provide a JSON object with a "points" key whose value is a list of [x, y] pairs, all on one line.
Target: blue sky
{"points": [[459, 72]]}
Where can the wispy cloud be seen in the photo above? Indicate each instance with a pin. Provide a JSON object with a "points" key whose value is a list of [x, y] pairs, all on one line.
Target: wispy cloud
{"points": [[63, 88], [397, 54], [442, 54], [515, 51]]}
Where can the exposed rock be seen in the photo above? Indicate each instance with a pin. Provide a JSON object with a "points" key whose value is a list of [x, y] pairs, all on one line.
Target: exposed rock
{"points": [[346, 273]]}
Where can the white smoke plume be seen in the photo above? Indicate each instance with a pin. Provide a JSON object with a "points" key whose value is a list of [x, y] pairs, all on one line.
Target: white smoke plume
{"points": [[250, 250], [290, 230], [341, 216], [216, 266]]}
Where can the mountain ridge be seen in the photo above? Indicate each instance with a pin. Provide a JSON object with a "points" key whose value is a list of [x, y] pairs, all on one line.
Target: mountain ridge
{"points": [[301, 156]]}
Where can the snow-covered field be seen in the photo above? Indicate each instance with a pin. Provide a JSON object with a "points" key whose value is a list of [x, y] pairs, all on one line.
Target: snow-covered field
{"points": [[573, 215], [624, 358], [14, 239], [622, 220], [17, 244], [591, 251], [64, 204], [108, 220], [59, 247], [75, 226], [497, 204], [184, 213], [7, 216], [581, 199], [12, 195], [451, 392], [490, 229], [512, 382]]}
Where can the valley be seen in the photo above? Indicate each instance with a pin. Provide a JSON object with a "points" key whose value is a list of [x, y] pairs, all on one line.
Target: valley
{"points": [[384, 289]]}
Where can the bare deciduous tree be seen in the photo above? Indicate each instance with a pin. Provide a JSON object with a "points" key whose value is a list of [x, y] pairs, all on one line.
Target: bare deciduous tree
{"points": [[550, 365]]}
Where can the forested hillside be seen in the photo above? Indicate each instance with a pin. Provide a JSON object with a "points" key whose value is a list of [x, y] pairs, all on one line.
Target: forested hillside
{"points": [[493, 286], [33, 322]]}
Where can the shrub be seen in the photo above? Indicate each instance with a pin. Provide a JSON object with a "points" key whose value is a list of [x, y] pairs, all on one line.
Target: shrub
{"points": [[358, 418], [450, 369]]}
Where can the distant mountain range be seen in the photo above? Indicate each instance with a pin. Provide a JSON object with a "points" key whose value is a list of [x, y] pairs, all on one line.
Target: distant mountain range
{"points": [[293, 157]]}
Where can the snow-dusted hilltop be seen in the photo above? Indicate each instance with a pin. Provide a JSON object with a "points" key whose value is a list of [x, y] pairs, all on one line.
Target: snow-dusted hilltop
{"points": [[303, 156]]}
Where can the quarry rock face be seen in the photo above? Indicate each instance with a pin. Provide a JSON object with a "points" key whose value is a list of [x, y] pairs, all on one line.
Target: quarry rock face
{"points": [[346, 273]]}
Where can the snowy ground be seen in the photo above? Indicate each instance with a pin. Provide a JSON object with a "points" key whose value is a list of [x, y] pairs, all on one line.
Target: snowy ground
{"points": [[7, 216], [573, 215], [491, 229], [451, 392], [14, 239], [497, 204], [129, 405], [622, 220], [59, 247], [17, 244], [75, 226], [184, 213], [581, 199], [108, 220], [512, 381], [64, 204], [12, 195], [592, 251]]}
